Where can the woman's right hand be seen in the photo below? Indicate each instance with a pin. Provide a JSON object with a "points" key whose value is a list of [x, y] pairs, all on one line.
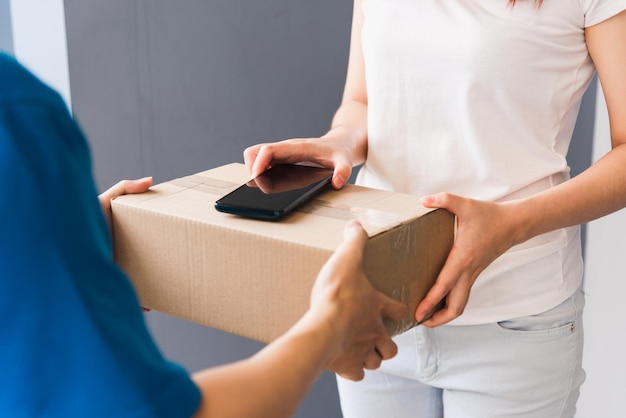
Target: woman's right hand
{"points": [[326, 152]]}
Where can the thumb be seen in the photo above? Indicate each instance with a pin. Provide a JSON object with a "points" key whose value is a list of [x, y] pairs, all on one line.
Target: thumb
{"points": [[354, 236], [446, 201], [352, 246], [341, 174]]}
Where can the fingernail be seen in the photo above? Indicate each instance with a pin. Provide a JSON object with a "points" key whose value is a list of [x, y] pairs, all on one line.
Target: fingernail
{"points": [[428, 200], [355, 223], [419, 317], [338, 180]]}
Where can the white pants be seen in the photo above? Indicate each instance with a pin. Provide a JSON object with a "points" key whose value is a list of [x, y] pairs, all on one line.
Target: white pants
{"points": [[527, 367]]}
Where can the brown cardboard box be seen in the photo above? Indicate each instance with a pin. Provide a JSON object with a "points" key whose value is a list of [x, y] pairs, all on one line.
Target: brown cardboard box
{"points": [[253, 278]]}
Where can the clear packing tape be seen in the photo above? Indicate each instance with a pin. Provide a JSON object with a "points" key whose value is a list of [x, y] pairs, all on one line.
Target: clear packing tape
{"points": [[390, 233]]}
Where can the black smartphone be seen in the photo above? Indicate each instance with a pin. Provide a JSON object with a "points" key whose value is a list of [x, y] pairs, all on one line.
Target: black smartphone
{"points": [[275, 192]]}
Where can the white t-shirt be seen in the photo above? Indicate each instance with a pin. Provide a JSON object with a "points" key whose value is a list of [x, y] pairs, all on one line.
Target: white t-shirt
{"points": [[480, 99]]}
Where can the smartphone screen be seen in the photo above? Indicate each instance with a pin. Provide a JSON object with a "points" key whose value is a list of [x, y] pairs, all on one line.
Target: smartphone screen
{"points": [[275, 192]]}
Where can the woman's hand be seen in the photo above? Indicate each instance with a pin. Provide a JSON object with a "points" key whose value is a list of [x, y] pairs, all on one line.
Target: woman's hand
{"points": [[485, 230], [121, 188], [344, 297], [325, 152]]}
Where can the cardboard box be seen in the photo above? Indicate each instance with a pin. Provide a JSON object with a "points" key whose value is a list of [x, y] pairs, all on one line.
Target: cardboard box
{"points": [[253, 278]]}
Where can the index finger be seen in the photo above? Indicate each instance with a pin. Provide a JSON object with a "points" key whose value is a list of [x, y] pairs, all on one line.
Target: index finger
{"points": [[250, 155], [261, 157], [354, 238], [452, 284], [455, 304], [448, 276]]}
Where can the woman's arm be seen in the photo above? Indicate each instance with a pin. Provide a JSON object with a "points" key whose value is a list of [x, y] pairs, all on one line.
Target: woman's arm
{"points": [[345, 144], [601, 189], [598, 191]]}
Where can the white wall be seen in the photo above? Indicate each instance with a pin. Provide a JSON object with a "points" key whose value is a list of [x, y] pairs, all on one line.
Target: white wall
{"points": [[6, 31], [39, 41], [605, 343]]}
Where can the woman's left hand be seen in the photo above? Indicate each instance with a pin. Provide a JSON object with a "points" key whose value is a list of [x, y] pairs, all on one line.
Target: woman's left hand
{"points": [[485, 230]]}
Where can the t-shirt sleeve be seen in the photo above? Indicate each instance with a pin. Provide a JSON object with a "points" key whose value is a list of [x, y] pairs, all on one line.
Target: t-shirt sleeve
{"points": [[597, 11], [74, 341]]}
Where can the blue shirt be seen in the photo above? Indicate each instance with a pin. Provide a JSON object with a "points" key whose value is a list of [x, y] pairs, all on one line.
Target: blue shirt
{"points": [[73, 342]]}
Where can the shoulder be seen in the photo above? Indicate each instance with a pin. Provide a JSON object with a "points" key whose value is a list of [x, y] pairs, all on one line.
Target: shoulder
{"points": [[19, 85], [597, 11]]}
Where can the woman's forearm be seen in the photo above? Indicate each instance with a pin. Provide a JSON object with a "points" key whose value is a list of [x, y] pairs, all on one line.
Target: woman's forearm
{"points": [[596, 192]]}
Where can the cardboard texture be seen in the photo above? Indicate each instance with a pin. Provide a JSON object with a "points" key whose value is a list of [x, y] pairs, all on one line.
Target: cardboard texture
{"points": [[253, 278]]}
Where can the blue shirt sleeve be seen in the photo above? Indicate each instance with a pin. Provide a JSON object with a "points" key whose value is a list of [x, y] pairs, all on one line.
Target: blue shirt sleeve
{"points": [[73, 342]]}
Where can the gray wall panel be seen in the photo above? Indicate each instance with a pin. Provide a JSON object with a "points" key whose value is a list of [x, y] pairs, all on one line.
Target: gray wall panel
{"points": [[581, 147], [159, 83], [104, 74]]}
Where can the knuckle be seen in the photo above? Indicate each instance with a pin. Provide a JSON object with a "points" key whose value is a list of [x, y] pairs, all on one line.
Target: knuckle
{"points": [[439, 289], [357, 377], [456, 311], [248, 152], [393, 350]]}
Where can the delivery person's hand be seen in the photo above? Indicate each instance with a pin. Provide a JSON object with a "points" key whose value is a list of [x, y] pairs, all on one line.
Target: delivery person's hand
{"points": [[121, 188], [344, 296]]}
